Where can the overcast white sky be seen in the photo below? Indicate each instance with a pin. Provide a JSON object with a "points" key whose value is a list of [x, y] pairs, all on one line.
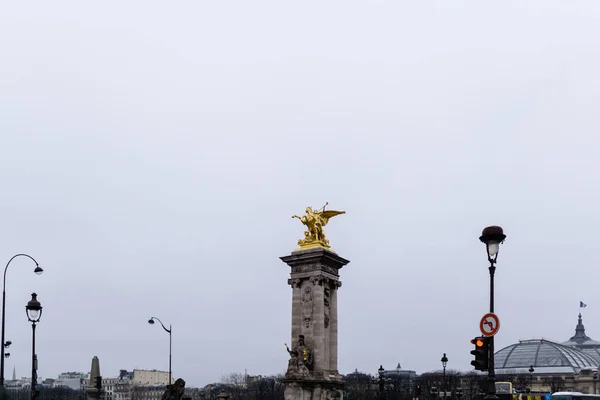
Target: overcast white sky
{"points": [[152, 154]]}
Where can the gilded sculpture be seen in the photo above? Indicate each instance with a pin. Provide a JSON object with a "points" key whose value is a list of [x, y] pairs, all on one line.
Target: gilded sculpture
{"points": [[314, 222]]}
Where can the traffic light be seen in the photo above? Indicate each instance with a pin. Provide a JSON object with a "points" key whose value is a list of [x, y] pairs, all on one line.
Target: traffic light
{"points": [[98, 382], [418, 391], [481, 353]]}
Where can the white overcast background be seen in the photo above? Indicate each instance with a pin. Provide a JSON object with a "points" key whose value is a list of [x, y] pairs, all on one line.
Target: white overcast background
{"points": [[152, 154]]}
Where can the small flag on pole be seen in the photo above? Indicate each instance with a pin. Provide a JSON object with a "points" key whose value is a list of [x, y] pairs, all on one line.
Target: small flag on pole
{"points": [[582, 304]]}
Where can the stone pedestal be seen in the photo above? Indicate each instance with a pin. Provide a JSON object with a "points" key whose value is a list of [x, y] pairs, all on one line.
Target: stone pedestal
{"points": [[93, 392], [315, 281]]}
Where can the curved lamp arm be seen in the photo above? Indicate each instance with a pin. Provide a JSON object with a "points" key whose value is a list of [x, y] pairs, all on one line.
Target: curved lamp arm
{"points": [[163, 325], [38, 269]]}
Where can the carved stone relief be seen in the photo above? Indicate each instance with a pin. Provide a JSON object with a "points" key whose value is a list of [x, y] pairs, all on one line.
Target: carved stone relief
{"points": [[316, 279], [325, 281], [314, 267], [294, 282], [307, 305], [329, 394]]}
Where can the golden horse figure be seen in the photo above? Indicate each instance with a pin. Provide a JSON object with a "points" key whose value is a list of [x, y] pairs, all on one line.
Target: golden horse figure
{"points": [[314, 222]]}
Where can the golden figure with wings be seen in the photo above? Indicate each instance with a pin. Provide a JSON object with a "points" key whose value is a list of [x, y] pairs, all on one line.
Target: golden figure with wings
{"points": [[314, 222]]}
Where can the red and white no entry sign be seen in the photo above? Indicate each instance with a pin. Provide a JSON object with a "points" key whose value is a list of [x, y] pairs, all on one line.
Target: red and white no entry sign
{"points": [[489, 324]]}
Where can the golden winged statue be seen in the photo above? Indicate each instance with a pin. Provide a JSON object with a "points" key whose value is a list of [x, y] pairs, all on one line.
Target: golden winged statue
{"points": [[314, 222]]}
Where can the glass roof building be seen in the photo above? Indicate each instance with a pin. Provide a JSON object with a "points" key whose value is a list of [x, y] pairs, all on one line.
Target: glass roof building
{"points": [[545, 356], [584, 343]]}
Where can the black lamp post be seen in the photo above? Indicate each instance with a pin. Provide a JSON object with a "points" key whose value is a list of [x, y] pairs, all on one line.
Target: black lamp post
{"points": [[38, 270], [381, 383], [34, 313], [444, 363], [492, 236], [151, 322], [531, 369]]}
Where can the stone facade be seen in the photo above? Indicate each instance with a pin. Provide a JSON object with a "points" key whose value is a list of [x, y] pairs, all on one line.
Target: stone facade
{"points": [[315, 282]]}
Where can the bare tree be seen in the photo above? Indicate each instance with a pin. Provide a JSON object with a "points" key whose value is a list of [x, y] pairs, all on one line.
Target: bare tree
{"points": [[431, 384], [235, 383], [360, 386], [46, 393], [264, 388], [556, 383], [137, 392], [473, 384]]}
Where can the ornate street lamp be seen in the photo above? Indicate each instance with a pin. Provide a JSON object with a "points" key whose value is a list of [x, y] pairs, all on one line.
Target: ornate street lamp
{"points": [[38, 270], [34, 313], [531, 369], [444, 361], [381, 383], [151, 322], [492, 236]]}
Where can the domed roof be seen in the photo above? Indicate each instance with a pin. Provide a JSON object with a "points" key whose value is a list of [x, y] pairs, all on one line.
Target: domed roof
{"points": [[580, 339], [583, 342], [545, 356]]}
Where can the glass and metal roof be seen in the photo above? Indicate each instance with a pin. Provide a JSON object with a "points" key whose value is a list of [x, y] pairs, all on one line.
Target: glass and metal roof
{"points": [[583, 342], [545, 356], [580, 339]]}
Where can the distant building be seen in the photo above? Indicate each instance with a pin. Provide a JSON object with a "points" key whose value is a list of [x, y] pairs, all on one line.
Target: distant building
{"points": [[584, 343], [399, 373], [136, 385], [550, 360], [71, 380], [18, 384], [142, 377]]}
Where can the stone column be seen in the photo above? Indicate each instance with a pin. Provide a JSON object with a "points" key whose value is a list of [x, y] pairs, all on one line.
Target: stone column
{"points": [[333, 327], [313, 271], [321, 364], [327, 323], [296, 309]]}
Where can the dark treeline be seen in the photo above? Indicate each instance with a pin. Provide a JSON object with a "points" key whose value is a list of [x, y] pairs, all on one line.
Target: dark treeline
{"points": [[240, 387], [457, 385], [358, 386], [47, 394]]}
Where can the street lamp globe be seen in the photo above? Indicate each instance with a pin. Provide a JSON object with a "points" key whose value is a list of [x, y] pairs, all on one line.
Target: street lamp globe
{"points": [[34, 309], [444, 361], [492, 236], [381, 370], [38, 270], [151, 321]]}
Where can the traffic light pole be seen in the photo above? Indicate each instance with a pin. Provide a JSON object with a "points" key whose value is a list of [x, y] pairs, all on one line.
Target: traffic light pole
{"points": [[491, 370]]}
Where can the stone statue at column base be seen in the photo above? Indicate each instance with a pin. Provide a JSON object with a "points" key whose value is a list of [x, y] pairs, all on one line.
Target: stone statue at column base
{"points": [[301, 362], [174, 391]]}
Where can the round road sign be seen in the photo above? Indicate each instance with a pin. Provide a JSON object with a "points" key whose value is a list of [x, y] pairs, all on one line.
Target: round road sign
{"points": [[489, 324]]}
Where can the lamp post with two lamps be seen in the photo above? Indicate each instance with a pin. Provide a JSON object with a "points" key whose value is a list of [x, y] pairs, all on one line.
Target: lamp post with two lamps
{"points": [[444, 361], [151, 322], [492, 236], [34, 313], [38, 270]]}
